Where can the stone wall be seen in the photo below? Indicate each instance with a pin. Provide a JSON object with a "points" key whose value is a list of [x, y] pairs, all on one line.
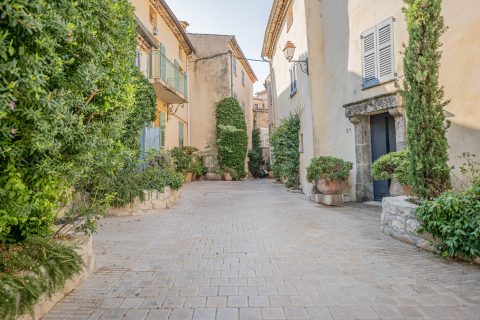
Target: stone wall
{"points": [[84, 248], [398, 221], [154, 201]]}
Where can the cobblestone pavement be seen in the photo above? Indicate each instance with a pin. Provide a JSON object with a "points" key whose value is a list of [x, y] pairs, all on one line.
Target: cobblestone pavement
{"points": [[251, 250]]}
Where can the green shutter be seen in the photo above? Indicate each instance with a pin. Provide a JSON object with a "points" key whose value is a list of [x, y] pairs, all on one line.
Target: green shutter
{"points": [[180, 134], [162, 129]]}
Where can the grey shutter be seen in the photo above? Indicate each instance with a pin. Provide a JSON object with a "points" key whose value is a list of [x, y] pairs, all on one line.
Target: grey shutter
{"points": [[369, 57], [385, 56]]}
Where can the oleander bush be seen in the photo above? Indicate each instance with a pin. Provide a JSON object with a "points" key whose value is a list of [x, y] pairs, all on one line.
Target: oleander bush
{"points": [[38, 266], [328, 168], [393, 165], [232, 139]]}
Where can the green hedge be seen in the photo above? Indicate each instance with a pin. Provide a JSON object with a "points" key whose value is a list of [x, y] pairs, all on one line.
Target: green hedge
{"points": [[232, 139], [286, 154], [453, 218]]}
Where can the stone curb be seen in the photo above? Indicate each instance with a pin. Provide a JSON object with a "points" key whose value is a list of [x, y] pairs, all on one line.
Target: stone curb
{"points": [[153, 202], [84, 248]]}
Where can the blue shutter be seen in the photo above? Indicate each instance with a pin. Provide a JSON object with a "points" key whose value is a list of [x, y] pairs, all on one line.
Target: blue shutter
{"points": [[180, 134]]}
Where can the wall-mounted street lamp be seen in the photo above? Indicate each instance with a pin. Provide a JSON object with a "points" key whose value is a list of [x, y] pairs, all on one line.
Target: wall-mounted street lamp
{"points": [[155, 30], [289, 51]]}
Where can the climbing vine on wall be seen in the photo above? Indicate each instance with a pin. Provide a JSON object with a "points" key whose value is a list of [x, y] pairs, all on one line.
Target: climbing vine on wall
{"points": [[232, 140], [285, 143]]}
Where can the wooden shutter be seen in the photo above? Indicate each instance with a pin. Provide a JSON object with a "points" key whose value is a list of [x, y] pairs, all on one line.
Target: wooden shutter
{"points": [[369, 59], [162, 129], [180, 134], [385, 50]]}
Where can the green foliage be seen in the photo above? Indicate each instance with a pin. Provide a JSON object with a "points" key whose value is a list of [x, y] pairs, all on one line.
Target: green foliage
{"points": [[182, 159], [423, 99], [393, 165], [71, 106], [232, 140], [453, 218], [328, 168], [36, 267], [470, 169], [255, 155], [286, 152]]}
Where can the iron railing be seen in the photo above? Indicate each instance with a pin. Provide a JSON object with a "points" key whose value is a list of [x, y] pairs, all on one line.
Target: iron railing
{"points": [[160, 68]]}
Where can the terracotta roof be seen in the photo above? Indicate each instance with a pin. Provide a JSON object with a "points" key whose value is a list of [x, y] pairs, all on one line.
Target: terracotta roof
{"points": [[172, 22], [277, 15]]}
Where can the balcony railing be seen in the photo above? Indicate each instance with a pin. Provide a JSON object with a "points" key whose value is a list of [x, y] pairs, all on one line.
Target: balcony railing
{"points": [[159, 68]]}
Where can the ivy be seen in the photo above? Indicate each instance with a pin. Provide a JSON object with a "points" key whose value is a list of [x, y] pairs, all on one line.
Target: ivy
{"points": [[286, 155], [429, 173], [232, 140]]}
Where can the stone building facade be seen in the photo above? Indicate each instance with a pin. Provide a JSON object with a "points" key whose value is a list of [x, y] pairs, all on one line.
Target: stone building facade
{"points": [[348, 99], [163, 49], [218, 69]]}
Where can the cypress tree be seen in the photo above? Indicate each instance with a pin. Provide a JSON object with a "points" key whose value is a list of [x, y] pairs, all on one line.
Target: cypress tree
{"points": [[424, 99]]}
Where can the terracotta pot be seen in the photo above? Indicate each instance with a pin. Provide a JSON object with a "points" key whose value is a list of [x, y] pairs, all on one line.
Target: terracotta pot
{"points": [[194, 176], [329, 186], [227, 176], [397, 189], [188, 177]]}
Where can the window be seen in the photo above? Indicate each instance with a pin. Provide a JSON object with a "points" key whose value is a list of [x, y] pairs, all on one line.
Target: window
{"points": [[234, 65], [293, 80], [153, 16], [138, 59], [290, 16], [243, 77], [162, 129], [377, 54], [180, 134]]}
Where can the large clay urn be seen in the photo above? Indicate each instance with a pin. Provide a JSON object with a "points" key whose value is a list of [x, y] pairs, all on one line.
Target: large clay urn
{"points": [[329, 186], [397, 189], [188, 176], [227, 176]]}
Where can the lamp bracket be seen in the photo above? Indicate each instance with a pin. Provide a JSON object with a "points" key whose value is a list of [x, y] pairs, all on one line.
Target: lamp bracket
{"points": [[303, 65]]}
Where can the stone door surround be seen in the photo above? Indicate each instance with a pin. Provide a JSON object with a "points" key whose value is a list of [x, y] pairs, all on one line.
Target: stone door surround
{"points": [[359, 113]]}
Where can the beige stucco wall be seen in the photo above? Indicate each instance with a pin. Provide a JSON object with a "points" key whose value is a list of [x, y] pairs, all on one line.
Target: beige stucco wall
{"points": [[283, 103], [331, 39], [166, 37], [211, 80]]}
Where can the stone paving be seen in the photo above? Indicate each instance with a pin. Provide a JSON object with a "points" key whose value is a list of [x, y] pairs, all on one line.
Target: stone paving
{"points": [[251, 250]]}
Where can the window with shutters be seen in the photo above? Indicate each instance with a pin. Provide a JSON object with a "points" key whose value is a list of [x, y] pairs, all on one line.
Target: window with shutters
{"points": [[293, 80], [162, 129], [377, 54]]}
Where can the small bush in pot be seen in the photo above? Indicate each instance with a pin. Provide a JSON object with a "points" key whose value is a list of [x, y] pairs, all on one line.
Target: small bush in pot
{"points": [[394, 166], [229, 174], [328, 173]]}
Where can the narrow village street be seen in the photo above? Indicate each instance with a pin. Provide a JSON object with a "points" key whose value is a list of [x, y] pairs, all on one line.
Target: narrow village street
{"points": [[251, 250]]}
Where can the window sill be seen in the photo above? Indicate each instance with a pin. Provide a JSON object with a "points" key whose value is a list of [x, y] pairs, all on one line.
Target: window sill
{"points": [[378, 84]]}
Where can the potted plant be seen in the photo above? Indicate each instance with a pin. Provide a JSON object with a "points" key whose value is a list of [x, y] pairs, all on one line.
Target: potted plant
{"points": [[229, 174], [196, 169], [393, 166], [328, 173], [216, 175]]}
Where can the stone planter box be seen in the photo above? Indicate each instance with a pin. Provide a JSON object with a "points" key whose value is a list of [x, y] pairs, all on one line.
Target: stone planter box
{"points": [[399, 221], [213, 177], [84, 245], [154, 201]]}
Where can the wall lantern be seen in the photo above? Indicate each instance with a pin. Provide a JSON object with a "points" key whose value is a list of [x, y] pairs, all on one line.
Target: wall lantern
{"points": [[289, 51], [155, 30]]}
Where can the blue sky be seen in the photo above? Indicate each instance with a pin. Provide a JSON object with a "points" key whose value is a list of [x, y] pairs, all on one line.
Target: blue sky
{"points": [[246, 19]]}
